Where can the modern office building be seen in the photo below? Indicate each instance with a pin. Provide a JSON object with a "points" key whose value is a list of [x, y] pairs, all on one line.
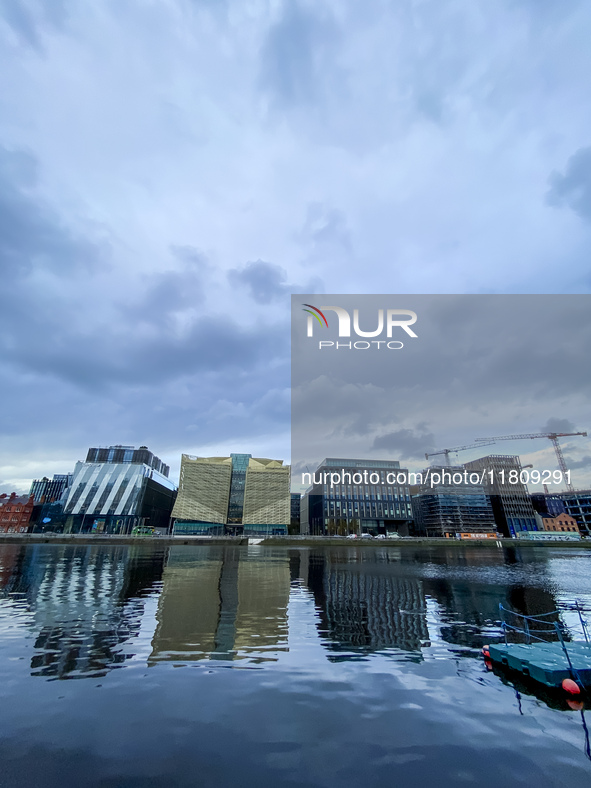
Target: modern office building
{"points": [[115, 496], [547, 504], [50, 489], [239, 494], [122, 454], [294, 524], [578, 505], [509, 497], [370, 496], [453, 505]]}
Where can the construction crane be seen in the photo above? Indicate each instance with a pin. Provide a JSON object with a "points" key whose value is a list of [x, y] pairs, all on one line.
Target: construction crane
{"points": [[553, 436], [447, 452]]}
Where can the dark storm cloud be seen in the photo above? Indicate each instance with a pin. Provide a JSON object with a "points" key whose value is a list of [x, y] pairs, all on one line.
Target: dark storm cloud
{"points": [[32, 237], [574, 187], [409, 443]]}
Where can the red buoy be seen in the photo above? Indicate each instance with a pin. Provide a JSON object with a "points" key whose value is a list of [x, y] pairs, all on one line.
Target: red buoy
{"points": [[570, 686], [575, 705]]}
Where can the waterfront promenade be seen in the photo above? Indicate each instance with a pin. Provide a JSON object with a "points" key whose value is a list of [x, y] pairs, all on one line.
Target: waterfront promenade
{"points": [[286, 541]]}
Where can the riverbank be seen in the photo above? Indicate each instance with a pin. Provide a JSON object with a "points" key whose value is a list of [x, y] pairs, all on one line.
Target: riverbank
{"points": [[283, 541]]}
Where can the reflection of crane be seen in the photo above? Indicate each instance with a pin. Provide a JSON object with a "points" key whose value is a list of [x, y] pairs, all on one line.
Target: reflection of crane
{"points": [[447, 452], [553, 436]]}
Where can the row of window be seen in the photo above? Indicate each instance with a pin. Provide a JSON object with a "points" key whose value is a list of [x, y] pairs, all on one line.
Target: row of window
{"points": [[367, 491], [365, 509]]}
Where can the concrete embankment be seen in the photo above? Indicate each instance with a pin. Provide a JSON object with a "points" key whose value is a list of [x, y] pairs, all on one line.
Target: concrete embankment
{"points": [[104, 539], [284, 541]]}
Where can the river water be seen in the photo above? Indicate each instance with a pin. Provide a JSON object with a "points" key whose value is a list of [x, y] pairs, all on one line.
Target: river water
{"points": [[125, 666]]}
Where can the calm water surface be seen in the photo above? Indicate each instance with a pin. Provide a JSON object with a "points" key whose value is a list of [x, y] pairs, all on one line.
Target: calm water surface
{"points": [[234, 666]]}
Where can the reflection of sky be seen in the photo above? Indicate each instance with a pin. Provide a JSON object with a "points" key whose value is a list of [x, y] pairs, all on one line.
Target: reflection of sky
{"points": [[302, 717], [337, 606]]}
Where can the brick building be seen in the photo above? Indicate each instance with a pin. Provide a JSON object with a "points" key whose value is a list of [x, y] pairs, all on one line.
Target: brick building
{"points": [[562, 522], [15, 512]]}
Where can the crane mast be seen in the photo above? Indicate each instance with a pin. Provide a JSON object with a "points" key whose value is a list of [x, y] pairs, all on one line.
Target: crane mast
{"points": [[553, 436]]}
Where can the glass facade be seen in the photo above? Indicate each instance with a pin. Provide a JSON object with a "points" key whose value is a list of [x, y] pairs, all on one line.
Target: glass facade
{"points": [[232, 495], [123, 454], [346, 508], [447, 509], [511, 502], [110, 497], [237, 486]]}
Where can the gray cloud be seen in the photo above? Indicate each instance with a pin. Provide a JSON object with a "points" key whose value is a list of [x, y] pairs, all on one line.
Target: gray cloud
{"points": [[267, 282], [28, 19], [584, 462], [32, 236], [296, 54], [574, 187], [264, 281], [172, 291], [559, 425], [326, 227], [405, 443], [373, 147]]}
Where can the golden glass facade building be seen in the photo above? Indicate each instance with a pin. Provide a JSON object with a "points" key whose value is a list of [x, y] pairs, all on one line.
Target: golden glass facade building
{"points": [[235, 495]]}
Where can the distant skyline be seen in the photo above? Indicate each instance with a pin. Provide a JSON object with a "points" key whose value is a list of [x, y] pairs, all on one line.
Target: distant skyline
{"points": [[170, 172]]}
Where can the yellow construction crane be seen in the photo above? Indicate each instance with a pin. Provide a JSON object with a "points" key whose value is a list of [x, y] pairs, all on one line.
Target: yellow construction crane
{"points": [[553, 436]]}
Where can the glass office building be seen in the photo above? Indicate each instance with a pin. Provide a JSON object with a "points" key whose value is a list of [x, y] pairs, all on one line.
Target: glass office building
{"points": [[511, 502], [451, 507], [50, 489], [116, 497], [235, 495], [353, 506]]}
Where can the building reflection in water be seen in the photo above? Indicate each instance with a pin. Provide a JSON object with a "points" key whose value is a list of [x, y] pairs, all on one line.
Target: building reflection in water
{"points": [[472, 583], [222, 603], [375, 600], [84, 603], [363, 604]]}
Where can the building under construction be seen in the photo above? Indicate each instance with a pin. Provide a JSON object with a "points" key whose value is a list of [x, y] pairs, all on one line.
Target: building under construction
{"points": [[452, 505], [511, 503]]}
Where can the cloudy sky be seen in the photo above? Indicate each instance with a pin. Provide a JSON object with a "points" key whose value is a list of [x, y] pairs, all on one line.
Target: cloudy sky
{"points": [[171, 171]]}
